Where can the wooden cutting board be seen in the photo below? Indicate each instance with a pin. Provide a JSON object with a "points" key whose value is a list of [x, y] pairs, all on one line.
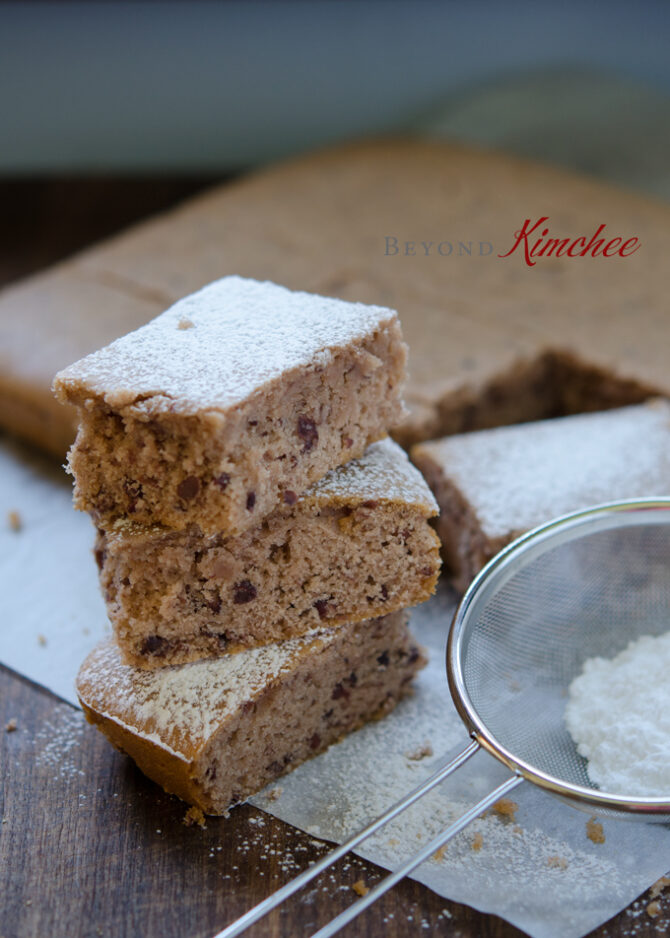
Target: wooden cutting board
{"points": [[493, 340]]}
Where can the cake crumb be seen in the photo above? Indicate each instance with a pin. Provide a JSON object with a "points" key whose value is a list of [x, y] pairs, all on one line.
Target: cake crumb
{"points": [[360, 888], [557, 863], [654, 909], [659, 886], [275, 793], [421, 752], [11, 725], [41, 639], [477, 841], [440, 853], [194, 816], [594, 831], [14, 520], [184, 324], [505, 808]]}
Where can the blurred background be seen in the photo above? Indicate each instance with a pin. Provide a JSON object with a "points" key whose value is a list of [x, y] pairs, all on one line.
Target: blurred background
{"points": [[112, 110]]}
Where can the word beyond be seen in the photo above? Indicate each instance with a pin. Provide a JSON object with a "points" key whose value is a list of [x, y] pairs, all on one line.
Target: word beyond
{"points": [[568, 247], [443, 248]]}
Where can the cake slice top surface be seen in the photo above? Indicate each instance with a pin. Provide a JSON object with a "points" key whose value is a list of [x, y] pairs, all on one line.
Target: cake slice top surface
{"points": [[179, 708], [520, 476], [215, 348], [383, 473]]}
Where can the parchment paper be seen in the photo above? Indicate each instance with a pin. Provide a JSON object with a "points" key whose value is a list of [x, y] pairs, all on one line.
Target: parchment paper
{"points": [[538, 870]]}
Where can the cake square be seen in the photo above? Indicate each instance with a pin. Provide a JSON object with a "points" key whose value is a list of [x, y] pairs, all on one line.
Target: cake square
{"points": [[233, 396], [358, 544], [214, 732], [494, 485]]}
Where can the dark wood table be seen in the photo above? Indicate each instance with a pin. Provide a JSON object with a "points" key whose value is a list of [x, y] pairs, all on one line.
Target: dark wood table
{"points": [[88, 846]]}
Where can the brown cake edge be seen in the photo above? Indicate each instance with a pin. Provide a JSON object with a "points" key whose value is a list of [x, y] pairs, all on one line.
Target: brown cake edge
{"points": [[382, 655]]}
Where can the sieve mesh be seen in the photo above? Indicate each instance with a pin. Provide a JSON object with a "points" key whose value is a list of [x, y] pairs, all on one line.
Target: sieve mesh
{"points": [[583, 586]]}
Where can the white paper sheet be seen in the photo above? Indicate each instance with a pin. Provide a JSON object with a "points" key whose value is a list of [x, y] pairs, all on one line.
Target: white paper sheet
{"points": [[539, 871], [51, 610]]}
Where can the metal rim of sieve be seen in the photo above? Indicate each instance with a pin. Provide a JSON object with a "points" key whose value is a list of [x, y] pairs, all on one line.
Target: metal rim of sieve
{"points": [[488, 581]]}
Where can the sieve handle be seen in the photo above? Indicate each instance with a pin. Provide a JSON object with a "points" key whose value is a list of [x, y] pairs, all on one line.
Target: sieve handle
{"points": [[344, 917], [262, 909]]}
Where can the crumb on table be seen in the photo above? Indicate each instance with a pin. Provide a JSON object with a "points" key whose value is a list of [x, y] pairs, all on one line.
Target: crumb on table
{"points": [[360, 888], [421, 752], [194, 816], [557, 863], [659, 886], [506, 808], [594, 831], [184, 323], [440, 853], [654, 909], [275, 793], [11, 725], [41, 639], [477, 841], [14, 520]]}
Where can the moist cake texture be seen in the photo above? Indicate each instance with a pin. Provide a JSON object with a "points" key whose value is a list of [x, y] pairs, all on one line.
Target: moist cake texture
{"points": [[494, 485], [356, 545], [214, 732], [235, 395]]}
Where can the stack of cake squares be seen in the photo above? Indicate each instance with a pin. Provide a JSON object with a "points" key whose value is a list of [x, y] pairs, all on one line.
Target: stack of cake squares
{"points": [[259, 535]]}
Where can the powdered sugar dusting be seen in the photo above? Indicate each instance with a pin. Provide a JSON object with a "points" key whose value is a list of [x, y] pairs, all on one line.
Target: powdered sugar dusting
{"points": [[383, 473], [242, 335], [518, 477], [618, 713], [179, 708], [58, 741]]}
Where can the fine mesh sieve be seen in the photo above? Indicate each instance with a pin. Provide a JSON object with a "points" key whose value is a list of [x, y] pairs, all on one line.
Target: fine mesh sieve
{"points": [[583, 585], [587, 584]]}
